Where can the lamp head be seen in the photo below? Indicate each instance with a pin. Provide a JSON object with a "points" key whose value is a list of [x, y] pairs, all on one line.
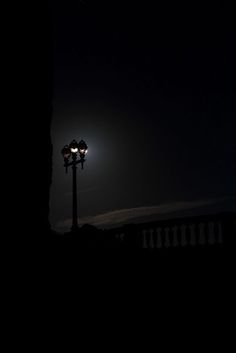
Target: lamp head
{"points": [[74, 147], [66, 152], [83, 149]]}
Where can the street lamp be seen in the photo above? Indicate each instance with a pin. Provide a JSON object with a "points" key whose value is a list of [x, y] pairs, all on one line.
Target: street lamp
{"points": [[68, 151]]}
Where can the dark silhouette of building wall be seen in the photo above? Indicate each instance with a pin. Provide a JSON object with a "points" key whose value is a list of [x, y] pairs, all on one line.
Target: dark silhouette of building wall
{"points": [[37, 97]]}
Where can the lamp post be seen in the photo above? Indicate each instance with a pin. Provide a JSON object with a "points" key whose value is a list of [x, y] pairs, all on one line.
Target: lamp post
{"points": [[71, 151]]}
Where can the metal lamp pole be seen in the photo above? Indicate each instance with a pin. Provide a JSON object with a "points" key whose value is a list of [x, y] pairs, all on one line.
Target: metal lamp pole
{"points": [[70, 151]]}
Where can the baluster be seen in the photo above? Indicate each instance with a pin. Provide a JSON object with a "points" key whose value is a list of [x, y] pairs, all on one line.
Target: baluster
{"points": [[184, 241], [220, 233], [202, 235], [167, 237], [175, 236], [211, 233], [144, 240], [122, 236], [159, 241], [151, 239], [192, 235]]}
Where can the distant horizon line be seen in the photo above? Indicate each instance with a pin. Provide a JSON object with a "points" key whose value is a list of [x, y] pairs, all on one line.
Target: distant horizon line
{"points": [[117, 218]]}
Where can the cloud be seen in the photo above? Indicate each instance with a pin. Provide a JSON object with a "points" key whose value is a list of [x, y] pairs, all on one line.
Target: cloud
{"points": [[122, 216]]}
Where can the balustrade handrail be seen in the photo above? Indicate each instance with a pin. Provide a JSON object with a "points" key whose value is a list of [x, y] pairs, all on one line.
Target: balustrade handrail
{"points": [[175, 221], [202, 229]]}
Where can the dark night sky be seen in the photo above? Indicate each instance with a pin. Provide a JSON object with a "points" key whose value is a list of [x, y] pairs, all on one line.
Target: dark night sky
{"points": [[150, 89]]}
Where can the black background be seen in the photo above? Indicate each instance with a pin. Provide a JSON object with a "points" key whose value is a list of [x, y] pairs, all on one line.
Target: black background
{"points": [[151, 89]]}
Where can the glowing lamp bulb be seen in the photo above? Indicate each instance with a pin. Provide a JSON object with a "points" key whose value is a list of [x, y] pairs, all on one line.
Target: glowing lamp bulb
{"points": [[74, 150], [83, 151], [83, 148], [74, 147]]}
